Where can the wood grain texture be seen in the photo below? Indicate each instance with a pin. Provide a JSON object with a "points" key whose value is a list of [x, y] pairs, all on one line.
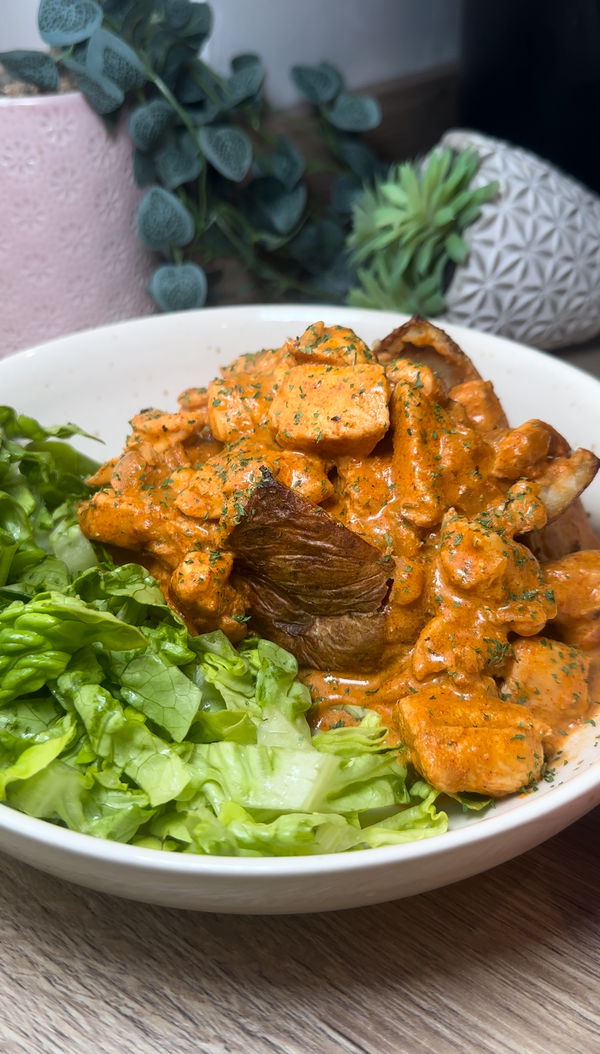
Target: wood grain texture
{"points": [[507, 962]]}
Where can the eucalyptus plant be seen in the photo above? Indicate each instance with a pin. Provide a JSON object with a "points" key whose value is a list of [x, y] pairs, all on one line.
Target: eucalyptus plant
{"points": [[217, 183], [407, 231]]}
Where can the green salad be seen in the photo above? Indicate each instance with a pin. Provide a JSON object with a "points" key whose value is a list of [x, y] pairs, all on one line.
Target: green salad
{"points": [[116, 722]]}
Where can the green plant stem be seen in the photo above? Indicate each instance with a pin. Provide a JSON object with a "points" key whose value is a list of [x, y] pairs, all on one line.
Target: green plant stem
{"points": [[171, 99]]}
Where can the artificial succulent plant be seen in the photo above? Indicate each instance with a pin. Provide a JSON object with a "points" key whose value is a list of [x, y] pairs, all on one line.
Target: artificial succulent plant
{"points": [[407, 231]]}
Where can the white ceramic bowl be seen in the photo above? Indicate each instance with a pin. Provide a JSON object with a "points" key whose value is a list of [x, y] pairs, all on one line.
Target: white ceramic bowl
{"points": [[99, 379]]}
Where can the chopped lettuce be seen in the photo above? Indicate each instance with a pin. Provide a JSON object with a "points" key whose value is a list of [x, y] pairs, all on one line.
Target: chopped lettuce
{"points": [[116, 722]]}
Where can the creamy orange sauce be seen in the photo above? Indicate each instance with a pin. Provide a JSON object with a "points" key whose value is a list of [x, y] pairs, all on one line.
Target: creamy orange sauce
{"points": [[479, 655]]}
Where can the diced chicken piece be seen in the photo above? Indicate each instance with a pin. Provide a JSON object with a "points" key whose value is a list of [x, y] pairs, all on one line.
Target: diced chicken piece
{"points": [[438, 460], [193, 399], [140, 524], [520, 511], [481, 405], [368, 505], [199, 587], [135, 469], [198, 581], [237, 407], [164, 429], [575, 582], [102, 475], [259, 363], [476, 743], [305, 474], [416, 449], [519, 449], [402, 371], [549, 678], [472, 556], [330, 346], [232, 474], [331, 410], [482, 586]]}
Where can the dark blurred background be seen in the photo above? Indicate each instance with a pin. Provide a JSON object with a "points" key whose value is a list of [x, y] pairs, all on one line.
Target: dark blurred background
{"points": [[530, 73], [524, 70]]}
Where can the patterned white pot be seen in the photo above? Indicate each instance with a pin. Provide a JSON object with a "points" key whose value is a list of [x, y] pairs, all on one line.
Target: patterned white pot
{"points": [[533, 269], [70, 257]]}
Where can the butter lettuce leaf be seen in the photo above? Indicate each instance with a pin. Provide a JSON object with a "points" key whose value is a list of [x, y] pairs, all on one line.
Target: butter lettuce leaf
{"points": [[116, 722]]}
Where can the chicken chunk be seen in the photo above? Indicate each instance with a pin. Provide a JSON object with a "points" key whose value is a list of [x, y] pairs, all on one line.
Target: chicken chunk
{"points": [[164, 429], [481, 404], [439, 461], [138, 523], [331, 410], [549, 679], [330, 346], [199, 587], [482, 586], [230, 475], [236, 407], [519, 449], [575, 582], [256, 364], [477, 742]]}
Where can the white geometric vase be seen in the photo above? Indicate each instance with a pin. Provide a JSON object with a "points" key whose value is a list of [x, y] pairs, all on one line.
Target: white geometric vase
{"points": [[533, 269]]}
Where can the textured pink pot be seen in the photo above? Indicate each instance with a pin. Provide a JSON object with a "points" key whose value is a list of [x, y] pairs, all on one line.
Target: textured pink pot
{"points": [[69, 253]]}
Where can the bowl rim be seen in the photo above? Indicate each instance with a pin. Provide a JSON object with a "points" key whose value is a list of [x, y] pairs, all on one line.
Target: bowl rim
{"points": [[481, 831]]}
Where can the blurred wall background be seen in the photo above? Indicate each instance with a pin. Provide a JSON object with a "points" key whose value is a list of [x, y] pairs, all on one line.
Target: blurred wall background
{"points": [[371, 41]]}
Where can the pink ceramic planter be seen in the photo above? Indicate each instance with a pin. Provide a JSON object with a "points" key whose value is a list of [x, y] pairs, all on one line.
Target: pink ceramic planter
{"points": [[69, 253]]}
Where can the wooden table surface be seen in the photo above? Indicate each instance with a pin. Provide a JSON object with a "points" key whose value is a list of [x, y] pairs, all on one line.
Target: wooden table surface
{"points": [[507, 962]]}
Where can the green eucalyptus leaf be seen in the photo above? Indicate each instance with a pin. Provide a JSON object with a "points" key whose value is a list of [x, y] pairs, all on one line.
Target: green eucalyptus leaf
{"points": [[199, 25], [354, 113], [148, 123], [178, 14], [179, 287], [319, 83], [33, 67], [65, 22], [158, 47], [204, 113], [198, 83], [177, 59], [163, 221], [359, 157], [178, 161], [245, 60], [274, 206], [137, 22], [109, 56], [103, 95], [246, 79], [228, 150], [286, 163], [143, 168], [318, 245], [344, 193], [117, 9]]}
